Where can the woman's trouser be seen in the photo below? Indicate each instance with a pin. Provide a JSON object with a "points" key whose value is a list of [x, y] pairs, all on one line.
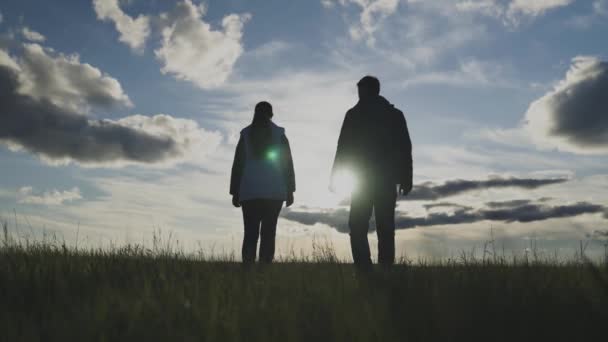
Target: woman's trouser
{"points": [[260, 218]]}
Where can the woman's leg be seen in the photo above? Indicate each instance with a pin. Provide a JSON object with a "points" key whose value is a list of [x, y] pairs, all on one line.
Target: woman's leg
{"points": [[252, 216], [271, 211]]}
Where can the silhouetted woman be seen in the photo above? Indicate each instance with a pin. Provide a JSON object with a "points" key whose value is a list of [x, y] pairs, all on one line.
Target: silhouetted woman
{"points": [[262, 179]]}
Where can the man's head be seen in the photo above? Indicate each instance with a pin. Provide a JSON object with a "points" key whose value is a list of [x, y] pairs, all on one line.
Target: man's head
{"points": [[369, 87]]}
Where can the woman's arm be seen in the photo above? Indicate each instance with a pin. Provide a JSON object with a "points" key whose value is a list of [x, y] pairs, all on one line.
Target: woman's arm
{"points": [[237, 168], [288, 170]]}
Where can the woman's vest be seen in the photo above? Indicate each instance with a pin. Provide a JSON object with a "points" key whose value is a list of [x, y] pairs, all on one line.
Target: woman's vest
{"points": [[264, 178]]}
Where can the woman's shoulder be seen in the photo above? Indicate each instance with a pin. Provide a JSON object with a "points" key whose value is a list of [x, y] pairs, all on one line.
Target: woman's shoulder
{"points": [[245, 129], [275, 128], [278, 129]]}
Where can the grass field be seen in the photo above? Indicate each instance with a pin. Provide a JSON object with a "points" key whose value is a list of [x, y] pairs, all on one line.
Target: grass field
{"points": [[49, 292]]}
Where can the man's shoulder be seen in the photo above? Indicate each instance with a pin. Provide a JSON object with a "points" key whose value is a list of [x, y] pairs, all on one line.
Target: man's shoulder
{"points": [[398, 112], [382, 101], [352, 110], [276, 129], [394, 111], [381, 105]]}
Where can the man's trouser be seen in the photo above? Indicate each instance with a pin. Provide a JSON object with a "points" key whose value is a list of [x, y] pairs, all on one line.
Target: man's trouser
{"points": [[381, 199]]}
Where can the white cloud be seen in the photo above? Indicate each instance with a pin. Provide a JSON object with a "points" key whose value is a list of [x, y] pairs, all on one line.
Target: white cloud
{"points": [[484, 7], [572, 117], [7, 61], [190, 49], [26, 195], [512, 12], [133, 32], [64, 80], [599, 11], [516, 137], [327, 3], [418, 36], [600, 7], [470, 73], [373, 13], [535, 8], [269, 49], [32, 35], [45, 98], [193, 143], [193, 51]]}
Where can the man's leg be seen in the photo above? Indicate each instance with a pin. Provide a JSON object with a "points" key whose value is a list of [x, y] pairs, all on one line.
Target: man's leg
{"points": [[269, 228], [384, 207], [358, 222], [251, 219]]}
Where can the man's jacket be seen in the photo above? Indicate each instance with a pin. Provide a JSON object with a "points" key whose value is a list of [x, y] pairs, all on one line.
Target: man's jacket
{"points": [[375, 144]]}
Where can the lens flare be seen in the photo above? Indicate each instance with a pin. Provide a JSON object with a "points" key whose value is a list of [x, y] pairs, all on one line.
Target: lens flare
{"points": [[272, 155], [345, 182]]}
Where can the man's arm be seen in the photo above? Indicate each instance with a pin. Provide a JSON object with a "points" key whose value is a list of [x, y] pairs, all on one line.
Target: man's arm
{"points": [[405, 154], [344, 141]]}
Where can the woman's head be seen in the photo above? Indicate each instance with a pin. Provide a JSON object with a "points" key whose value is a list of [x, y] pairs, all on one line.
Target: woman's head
{"points": [[263, 109]]}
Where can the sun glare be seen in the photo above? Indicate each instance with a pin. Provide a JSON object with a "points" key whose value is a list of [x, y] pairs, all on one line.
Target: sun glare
{"points": [[344, 182]]}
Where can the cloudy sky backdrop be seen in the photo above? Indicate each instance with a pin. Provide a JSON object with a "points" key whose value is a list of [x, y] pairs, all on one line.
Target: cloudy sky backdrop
{"points": [[119, 118]]}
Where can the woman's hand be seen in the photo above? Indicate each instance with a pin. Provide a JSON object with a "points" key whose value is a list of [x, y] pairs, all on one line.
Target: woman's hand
{"points": [[289, 199], [235, 201], [405, 189]]}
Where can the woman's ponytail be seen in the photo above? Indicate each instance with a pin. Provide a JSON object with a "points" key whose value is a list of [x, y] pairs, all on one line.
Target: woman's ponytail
{"points": [[261, 132]]}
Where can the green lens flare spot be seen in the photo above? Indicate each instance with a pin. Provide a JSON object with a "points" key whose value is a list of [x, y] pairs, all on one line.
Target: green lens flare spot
{"points": [[272, 155]]}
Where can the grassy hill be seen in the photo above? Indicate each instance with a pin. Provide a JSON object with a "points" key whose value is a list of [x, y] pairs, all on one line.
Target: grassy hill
{"points": [[50, 292]]}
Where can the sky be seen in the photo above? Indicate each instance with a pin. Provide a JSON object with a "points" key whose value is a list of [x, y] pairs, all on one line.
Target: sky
{"points": [[119, 118]]}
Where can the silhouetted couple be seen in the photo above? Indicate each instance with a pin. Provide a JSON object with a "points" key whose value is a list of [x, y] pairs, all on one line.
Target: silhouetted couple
{"points": [[374, 145]]}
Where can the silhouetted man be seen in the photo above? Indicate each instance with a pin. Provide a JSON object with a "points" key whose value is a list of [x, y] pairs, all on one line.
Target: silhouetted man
{"points": [[375, 146]]}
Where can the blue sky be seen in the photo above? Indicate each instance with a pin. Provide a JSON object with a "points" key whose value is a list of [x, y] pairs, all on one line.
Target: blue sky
{"points": [[491, 89]]}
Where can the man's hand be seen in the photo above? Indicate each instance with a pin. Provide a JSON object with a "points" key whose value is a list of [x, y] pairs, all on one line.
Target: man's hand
{"points": [[235, 201], [405, 189], [289, 199]]}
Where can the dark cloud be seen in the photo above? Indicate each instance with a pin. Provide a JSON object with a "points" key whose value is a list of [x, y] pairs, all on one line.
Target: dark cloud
{"points": [[539, 212], [515, 203], [445, 205], [64, 80], [58, 134], [573, 116], [432, 192], [508, 212], [508, 204], [337, 219], [599, 234]]}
